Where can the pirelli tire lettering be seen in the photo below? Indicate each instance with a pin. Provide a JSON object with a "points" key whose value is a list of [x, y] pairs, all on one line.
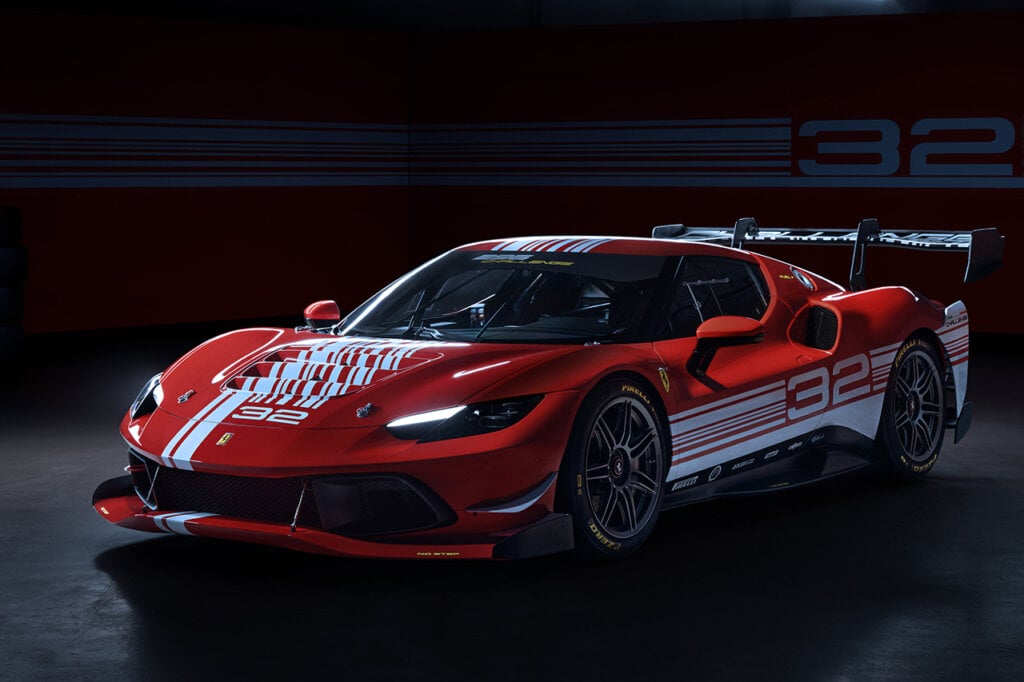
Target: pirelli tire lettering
{"points": [[914, 412], [629, 388], [613, 474], [600, 537]]}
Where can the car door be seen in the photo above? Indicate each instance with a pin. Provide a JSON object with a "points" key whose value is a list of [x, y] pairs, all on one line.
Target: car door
{"points": [[739, 415]]}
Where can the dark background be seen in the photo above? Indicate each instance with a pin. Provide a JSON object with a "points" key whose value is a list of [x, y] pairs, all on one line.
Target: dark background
{"points": [[122, 232]]}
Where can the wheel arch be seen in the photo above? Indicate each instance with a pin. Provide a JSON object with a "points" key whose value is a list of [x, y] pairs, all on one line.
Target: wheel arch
{"points": [[929, 336], [607, 379], [652, 393], [621, 382], [894, 461]]}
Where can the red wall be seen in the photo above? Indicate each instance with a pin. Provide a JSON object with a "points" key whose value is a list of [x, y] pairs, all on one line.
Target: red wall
{"points": [[213, 171], [140, 242], [899, 68]]}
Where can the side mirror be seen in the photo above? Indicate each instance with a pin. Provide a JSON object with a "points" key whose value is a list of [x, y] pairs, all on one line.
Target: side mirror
{"points": [[321, 315], [719, 332]]}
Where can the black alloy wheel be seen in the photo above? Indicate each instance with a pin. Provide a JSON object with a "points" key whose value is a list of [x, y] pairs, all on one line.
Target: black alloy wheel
{"points": [[613, 476], [914, 412]]}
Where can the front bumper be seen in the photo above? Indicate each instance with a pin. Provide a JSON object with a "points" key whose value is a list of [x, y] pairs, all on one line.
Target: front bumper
{"points": [[116, 501]]}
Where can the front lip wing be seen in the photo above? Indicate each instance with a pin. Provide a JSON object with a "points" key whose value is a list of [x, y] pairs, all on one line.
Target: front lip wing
{"points": [[115, 500]]}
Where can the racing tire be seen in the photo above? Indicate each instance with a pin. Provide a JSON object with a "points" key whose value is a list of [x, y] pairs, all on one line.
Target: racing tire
{"points": [[612, 478], [13, 266], [10, 226], [913, 413]]}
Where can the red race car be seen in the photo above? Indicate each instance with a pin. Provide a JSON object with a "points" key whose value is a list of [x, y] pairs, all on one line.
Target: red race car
{"points": [[522, 397]]}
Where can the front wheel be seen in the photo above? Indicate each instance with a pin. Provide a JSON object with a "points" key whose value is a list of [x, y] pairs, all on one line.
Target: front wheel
{"points": [[913, 415], [613, 475]]}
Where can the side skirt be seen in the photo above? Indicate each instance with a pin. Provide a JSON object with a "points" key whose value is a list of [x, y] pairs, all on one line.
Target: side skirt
{"points": [[811, 457]]}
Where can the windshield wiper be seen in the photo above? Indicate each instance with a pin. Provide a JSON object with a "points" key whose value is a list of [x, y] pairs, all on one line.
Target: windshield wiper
{"points": [[426, 331], [418, 311], [574, 333]]}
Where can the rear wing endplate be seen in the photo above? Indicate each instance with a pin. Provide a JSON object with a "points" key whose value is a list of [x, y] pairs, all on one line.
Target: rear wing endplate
{"points": [[984, 247]]}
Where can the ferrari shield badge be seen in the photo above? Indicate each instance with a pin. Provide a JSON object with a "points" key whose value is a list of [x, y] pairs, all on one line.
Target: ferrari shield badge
{"points": [[663, 373]]}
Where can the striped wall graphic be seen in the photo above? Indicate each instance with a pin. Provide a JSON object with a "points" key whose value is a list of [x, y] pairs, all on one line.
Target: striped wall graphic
{"points": [[92, 151], [55, 151]]}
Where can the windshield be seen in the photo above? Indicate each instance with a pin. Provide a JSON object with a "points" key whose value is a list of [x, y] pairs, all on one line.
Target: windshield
{"points": [[514, 298]]}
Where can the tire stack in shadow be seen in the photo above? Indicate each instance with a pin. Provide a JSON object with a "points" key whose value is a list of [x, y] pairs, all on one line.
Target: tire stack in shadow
{"points": [[13, 273]]}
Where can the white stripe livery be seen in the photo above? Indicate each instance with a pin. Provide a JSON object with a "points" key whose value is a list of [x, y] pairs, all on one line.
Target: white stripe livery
{"points": [[174, 522], [552, 244], [308, 376], [955, 336], [732, 427], [179, 450]]}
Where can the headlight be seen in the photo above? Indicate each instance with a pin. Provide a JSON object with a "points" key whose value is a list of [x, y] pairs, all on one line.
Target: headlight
{"points": [[463, 420], [148, 398]]}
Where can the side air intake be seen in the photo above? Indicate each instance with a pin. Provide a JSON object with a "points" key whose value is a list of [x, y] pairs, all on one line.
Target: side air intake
{"points": [[822, 327]]}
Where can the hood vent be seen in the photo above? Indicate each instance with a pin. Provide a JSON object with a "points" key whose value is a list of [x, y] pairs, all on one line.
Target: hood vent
{"points": [[313, 374]]}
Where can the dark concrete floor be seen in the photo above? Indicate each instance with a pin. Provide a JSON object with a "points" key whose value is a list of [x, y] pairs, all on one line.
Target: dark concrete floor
{"points": [[849, 580]]}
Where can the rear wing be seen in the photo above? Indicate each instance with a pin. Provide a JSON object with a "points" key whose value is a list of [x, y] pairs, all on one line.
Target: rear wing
{"points": [[984, 247]]}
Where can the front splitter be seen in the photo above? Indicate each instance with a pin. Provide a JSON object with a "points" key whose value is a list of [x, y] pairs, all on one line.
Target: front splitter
{"points": [[550, 535]]}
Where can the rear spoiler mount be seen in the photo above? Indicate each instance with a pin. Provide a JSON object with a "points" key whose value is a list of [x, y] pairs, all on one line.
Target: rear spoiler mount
{"points": [[984, 246]]}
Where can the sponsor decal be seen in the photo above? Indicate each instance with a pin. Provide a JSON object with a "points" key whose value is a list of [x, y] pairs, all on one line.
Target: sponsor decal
{"points": [[601, 537], [744, 463], [223, 440], [714, 473], [663, 373], [817, 438], [953, 321], [629, 388], [520, 259], [560, 263], [684, 483], [438, 554], [795, 445], [771, 453], [509, 258]]}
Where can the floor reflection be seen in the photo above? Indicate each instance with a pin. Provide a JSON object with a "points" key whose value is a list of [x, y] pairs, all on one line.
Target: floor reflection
{"points": [[794, 586]]}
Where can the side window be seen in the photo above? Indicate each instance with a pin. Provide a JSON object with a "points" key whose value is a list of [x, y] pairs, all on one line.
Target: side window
{"points": [[709, 286]]}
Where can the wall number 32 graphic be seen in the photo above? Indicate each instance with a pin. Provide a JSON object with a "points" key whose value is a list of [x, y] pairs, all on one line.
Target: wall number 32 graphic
{"points": [[998, 136]]}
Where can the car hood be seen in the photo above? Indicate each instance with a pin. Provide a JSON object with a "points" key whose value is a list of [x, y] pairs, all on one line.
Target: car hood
{"points": [[280, 377]]}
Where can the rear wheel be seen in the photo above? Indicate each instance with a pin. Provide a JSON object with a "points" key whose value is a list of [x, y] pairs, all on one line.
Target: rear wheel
{"points": [[913, 416], [613, 475]]}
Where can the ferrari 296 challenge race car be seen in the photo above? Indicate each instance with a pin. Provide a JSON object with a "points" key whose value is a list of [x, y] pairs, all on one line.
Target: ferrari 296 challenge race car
{"points": [[521, 397]]}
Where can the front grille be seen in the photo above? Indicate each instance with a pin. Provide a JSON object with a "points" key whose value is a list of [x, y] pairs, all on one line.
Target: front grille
{"points": [[244, 497], [376, 505], [354, 505]]}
